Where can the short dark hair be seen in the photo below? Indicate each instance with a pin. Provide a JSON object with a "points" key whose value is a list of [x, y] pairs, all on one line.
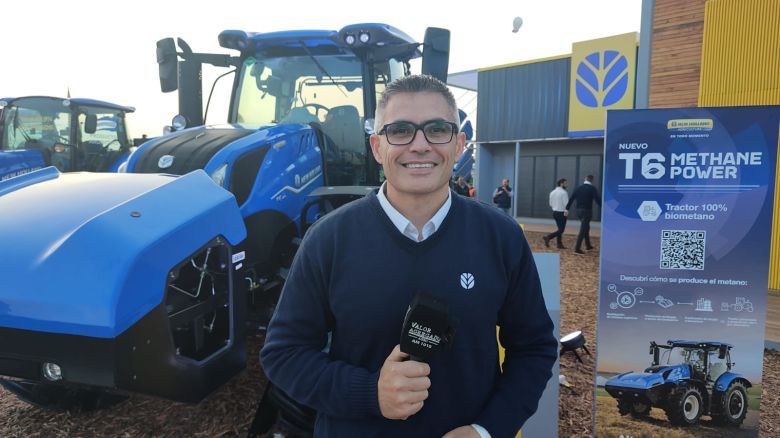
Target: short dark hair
{"points": [[589, 178], [417, 84], [561, 181]]}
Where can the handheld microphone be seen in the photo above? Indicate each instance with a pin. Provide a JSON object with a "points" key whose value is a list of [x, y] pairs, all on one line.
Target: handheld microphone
{"points": [[427, 327]]}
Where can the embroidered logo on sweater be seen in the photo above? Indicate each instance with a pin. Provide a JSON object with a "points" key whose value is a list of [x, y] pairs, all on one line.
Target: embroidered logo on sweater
{"points": [[467, 280]]}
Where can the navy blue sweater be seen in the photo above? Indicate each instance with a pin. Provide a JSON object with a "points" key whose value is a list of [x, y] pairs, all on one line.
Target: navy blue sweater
{"points": [[585, 195], [355, 275]]}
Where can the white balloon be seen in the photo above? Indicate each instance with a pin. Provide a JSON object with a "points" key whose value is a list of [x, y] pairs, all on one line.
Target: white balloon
{"points": [[516, 24]]}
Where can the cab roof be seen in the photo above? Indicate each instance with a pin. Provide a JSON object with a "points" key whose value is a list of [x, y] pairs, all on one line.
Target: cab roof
{"points": [[383, 39], [75, 101], [697, 344]]}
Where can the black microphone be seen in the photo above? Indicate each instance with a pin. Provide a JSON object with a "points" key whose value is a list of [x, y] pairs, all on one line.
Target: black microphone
{"points": [[427, 327]]}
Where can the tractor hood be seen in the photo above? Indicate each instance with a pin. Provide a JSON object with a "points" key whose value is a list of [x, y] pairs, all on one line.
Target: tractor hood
{"points": [[652, 377], [88, 254], [636, 380], [184, 151]]}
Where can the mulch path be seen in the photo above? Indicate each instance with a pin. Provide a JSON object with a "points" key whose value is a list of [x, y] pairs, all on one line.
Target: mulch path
{"points": [[228, 412]]}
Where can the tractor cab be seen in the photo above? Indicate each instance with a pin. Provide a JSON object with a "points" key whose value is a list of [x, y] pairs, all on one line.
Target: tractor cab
{"points": [[325, 80], [706, 360], [69, 134]]}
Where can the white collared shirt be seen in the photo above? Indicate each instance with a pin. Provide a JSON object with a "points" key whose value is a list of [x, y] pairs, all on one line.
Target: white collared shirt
{"points": [[558, 199], [405, 226]]}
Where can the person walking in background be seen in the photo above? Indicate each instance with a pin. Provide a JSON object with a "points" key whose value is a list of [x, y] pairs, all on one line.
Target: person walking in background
{"points": [[461, 187], [585, 195], [559, 199], [502, 197]]}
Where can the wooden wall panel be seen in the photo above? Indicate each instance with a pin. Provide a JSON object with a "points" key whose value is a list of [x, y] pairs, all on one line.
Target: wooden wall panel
{"points": [[675, 63]]}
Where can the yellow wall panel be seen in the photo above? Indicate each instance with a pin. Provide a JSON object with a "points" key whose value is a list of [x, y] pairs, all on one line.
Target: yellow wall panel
{"points": [[740, 53]]}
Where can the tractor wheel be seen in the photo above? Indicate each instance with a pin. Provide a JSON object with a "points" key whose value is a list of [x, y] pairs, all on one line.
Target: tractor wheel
{"points": [[731, 406], [624, 407], [684, 406], [636, 409], [640, 410], [61, 398]]}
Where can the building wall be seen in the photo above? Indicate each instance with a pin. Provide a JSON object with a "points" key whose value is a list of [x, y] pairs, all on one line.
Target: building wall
{"points": [[542, 164], [741, 53], [524, 101], [675, 58]]}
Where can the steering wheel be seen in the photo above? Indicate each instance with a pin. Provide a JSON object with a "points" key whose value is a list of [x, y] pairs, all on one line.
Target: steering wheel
{"points": [[317, 107]]}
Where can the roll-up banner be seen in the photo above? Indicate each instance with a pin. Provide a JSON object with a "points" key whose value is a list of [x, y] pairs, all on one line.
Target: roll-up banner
{"points": [[687, 220]]}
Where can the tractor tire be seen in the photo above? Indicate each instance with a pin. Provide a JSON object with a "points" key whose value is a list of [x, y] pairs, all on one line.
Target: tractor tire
{"points": [[624, 407], [640, 410], [731, 406], [636, 409], [61, 398], [684, 406]]}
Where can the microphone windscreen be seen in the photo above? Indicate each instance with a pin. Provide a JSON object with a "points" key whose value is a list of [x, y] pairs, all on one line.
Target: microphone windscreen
{"points": [[426, 327]]}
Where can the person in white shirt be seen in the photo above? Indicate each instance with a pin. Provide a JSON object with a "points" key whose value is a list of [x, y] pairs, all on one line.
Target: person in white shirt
{"points": [[559, 197]]}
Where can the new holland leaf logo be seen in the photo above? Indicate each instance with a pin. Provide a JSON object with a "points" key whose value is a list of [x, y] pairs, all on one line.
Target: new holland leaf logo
{"points": [[602, 79], [467, 281]]}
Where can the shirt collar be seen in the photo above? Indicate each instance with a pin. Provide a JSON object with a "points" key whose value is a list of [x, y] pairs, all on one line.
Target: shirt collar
{"points": [[404, 225], [587, 182]]}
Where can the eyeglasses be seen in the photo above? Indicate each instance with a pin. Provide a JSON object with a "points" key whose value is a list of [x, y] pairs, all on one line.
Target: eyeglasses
{"points": [[403, 133]]}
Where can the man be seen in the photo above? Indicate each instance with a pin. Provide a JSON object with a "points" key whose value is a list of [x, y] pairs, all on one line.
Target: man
{"points": [[585, 195], [502, 197], [559, 197], [461, 187], [333, 341]]}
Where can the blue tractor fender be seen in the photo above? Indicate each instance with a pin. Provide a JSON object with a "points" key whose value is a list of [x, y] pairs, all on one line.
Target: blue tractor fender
{"points": [[99, 264], [726, 379]]}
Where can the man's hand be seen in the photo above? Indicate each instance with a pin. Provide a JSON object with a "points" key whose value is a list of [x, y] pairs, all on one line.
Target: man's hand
{"points": [[565, 213], [462, 432], [403, 385]]}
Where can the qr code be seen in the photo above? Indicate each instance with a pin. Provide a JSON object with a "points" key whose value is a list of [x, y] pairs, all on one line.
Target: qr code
{"points": [[682, 249]]}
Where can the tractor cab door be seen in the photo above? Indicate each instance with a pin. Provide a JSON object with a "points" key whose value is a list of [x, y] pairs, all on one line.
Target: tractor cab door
{"points": [[102, 139], [34, 133]]}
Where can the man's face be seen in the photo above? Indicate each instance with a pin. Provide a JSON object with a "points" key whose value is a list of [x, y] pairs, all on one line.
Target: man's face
{"points": [[564, 184], [419, 168], [505, 182]]}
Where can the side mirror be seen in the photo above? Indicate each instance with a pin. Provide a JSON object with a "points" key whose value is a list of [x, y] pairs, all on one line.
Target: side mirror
{"points": [[90, 124], [722, 352], [436, 53], [167, 64]]}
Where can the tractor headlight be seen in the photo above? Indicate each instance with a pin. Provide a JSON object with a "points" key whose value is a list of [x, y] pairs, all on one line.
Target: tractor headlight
{"points": [[349, 39], [179, 122], [52, 371], [364, 37], [219, 175]]}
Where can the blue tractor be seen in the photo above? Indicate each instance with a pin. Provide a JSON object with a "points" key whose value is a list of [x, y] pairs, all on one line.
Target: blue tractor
{"points": [[147, 280], [688, 380], [69, 134]]}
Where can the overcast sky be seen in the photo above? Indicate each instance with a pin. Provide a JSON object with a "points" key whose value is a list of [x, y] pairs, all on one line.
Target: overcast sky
{"points": [[106, 50]]}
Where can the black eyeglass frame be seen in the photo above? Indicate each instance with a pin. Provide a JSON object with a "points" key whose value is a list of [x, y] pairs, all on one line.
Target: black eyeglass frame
{"points": [[455, 130]]}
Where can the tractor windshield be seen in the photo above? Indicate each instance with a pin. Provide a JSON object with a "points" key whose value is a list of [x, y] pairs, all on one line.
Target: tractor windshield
{"points": [[326, 91], [685, 356], [35, 122]]}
